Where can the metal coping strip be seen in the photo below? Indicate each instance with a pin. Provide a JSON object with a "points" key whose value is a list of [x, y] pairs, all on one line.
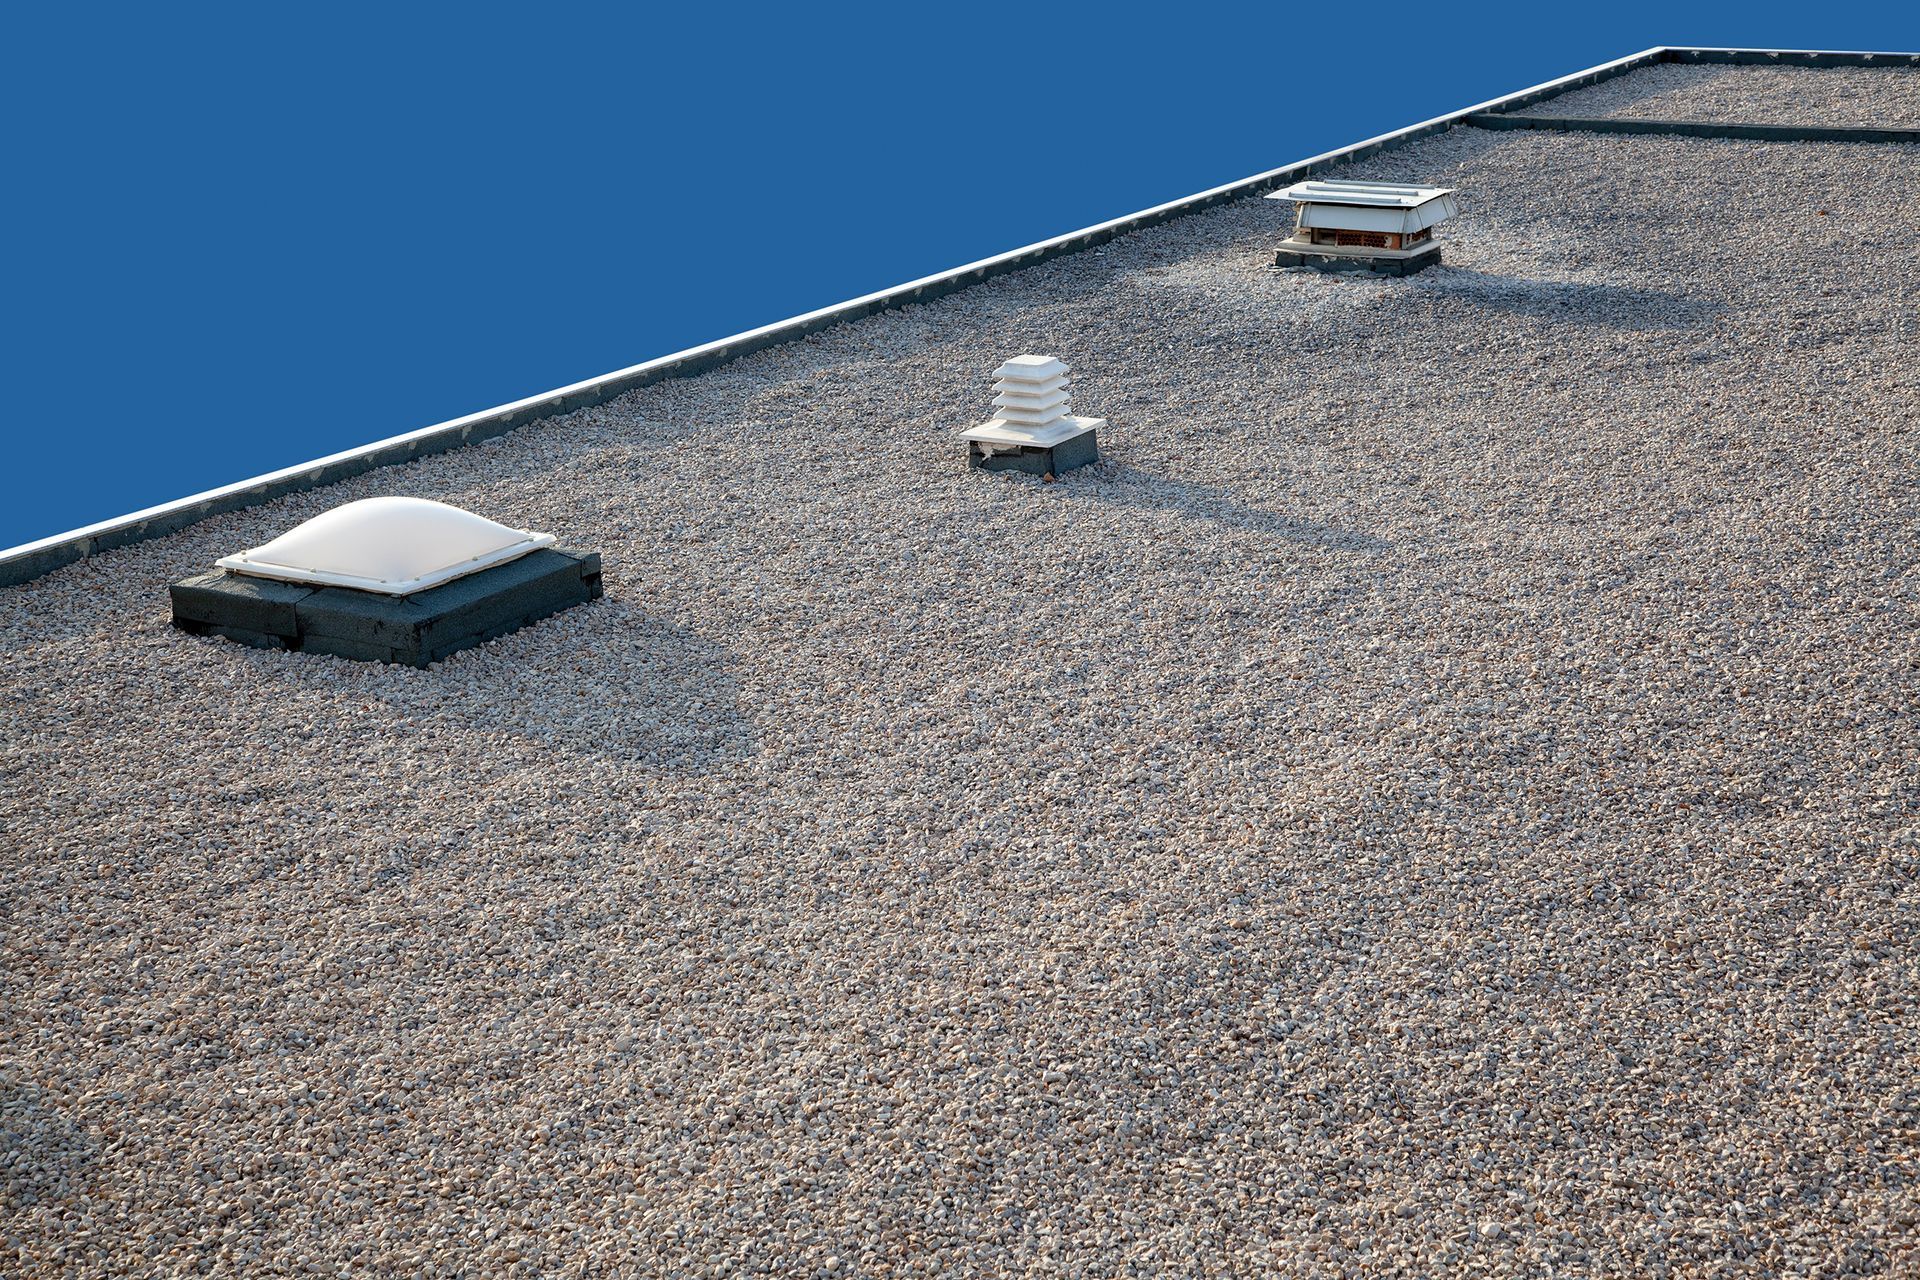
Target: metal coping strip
{"points": [[33, 559]]}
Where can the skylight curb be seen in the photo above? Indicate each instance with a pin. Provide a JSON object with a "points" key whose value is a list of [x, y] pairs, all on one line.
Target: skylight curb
{"points": [[34, 559]]}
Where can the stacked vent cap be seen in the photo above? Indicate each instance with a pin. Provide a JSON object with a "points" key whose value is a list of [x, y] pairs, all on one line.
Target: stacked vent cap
{"points": [[1030, 393]]}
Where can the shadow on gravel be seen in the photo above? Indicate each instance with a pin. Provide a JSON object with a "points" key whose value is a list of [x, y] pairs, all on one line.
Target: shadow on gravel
{"points": [[1611, 306], [604, 680], [1124, 486]]}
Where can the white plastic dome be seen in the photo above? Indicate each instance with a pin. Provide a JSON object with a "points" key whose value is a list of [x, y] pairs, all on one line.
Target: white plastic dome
{"points": [[395, 546]]}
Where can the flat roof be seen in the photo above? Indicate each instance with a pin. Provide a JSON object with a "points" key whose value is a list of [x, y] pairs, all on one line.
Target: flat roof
{"points": [[1438, 795]]}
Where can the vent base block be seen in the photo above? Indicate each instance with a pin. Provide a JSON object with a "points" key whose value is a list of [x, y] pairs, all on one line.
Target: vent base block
{"points": [[415, 630], [1324, 257], [1035, 459]]}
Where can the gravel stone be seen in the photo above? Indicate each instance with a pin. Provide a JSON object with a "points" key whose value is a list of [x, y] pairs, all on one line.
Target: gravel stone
{"points": [[1861, 97], [1440, 797]]}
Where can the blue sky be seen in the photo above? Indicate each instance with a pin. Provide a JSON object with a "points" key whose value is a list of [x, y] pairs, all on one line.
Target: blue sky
{"points": [[242, 237]]}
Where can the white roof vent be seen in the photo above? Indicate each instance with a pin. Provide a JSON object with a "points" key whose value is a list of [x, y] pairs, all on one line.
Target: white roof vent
{"points": [[1383, 207], [395, 546], [1031, 429]]}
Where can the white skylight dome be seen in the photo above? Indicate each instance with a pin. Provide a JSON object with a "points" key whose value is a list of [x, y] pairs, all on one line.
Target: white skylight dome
{"points": [[395, 546]]}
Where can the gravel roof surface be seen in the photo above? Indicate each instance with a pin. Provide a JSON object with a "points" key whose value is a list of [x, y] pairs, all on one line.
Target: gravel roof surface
{"points": [[1441, 794], [1888, 97]]}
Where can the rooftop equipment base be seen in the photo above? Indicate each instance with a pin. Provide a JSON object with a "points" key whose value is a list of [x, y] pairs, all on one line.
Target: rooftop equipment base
{"points": [[416, 630], [993, 447], [1389, 262]]}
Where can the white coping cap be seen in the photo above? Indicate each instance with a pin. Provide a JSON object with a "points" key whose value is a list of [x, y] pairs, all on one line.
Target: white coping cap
{"points": [[394, 546], [1030, 369]]}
